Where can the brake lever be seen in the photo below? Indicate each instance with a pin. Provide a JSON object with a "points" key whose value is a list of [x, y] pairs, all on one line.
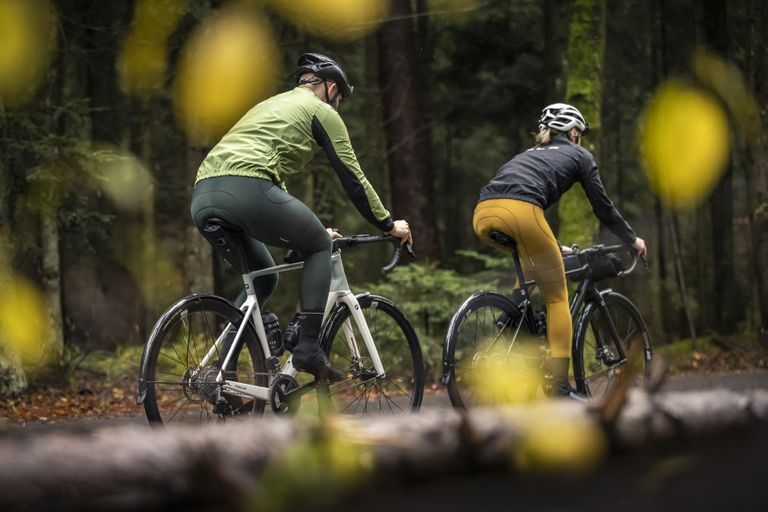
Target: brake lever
{"points": [[644, 258], [411, 253]]}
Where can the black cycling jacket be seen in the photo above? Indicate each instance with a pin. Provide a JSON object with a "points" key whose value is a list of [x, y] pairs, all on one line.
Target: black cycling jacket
{"points": [[542, 174]]}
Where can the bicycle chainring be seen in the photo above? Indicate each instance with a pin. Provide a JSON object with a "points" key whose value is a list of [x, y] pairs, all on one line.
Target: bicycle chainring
{"points": [[280, 395]]}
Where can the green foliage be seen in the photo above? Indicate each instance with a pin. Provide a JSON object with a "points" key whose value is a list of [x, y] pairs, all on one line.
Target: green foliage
{"points": [[429, 296], [115, 366], [714, 354], [52, 168]]}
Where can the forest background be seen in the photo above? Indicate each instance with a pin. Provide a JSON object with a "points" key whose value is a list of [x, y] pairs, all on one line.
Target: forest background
{"points": [[107, 108]]}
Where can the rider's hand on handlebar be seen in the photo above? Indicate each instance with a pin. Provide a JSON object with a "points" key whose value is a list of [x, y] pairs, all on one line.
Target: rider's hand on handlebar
{"points": [[564, 249], [402, 231], [639, 246], [333, 233]]}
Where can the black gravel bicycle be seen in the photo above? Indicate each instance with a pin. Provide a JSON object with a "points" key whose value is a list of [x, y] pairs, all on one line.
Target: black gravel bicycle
{"points": [[609, 334]]}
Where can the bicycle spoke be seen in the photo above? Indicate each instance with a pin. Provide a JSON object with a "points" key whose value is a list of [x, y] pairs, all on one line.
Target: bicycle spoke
{"points": [[601, 365], [177, 394], [165, 383], [390, 401], [396, 354], [398, 387], [182, 406], [182, 363], [352, 402]]}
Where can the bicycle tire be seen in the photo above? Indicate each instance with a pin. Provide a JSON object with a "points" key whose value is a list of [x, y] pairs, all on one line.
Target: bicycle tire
{"points": [[470, 361], [401, 389], [173, 387], [594, 371]]}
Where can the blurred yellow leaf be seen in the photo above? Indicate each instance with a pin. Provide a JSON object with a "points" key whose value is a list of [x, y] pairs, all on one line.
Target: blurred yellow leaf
{"points": [[24, 326], [125, 180], [157, 19], [685, 139], [27, 39], [728, 82], [316, 471], [230, 64], [559, 442], [334, 19], [143, 63], [500, 376]]}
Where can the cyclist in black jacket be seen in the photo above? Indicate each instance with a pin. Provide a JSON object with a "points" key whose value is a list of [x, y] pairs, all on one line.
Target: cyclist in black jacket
{"points": [[514, 201]]}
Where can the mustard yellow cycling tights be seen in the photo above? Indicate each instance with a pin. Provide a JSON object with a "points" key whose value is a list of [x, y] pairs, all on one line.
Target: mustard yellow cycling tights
{"points": [[540, 257]]}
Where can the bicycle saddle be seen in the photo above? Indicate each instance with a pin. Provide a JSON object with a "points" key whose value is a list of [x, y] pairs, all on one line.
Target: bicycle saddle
{"points": [[502, 239], [225, 238]]}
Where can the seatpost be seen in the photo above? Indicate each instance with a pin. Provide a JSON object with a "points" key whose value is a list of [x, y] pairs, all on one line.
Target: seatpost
{"points": [[519, 270]]}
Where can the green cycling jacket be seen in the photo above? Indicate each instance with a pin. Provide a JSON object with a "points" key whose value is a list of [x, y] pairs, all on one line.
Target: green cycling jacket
{"points": [[276, 138]]}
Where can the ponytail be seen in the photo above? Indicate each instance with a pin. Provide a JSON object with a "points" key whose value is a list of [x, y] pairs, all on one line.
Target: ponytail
{"points": [[544, 136]]}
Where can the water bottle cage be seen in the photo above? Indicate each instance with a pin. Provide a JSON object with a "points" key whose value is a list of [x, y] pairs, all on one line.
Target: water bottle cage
{"points": [[274, 334]]}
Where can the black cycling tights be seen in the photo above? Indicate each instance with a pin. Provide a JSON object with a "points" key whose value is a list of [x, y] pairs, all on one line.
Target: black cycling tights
{"points": [[269, 215]]}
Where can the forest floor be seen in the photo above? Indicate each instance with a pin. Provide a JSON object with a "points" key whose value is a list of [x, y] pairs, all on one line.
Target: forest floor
{"points": [[104, 385]]}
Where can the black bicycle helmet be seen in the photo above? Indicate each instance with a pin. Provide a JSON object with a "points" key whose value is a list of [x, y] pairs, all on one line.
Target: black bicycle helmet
{"points": [[324, 68], [562, 117]]}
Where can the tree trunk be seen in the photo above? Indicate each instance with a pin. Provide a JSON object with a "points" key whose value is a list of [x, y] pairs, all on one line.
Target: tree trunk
{"points": [[278, 464], [51, 267], [406, 129], [756, 163], [6, 179], [681, 285], [556, 15], [586, 50], [198, 253], [729, 310]]}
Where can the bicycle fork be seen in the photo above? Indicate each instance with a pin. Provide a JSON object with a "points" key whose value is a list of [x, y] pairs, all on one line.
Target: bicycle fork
{"points": [[356, 316], [604, 352]]}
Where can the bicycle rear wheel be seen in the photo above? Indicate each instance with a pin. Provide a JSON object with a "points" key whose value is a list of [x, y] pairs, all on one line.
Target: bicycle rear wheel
{"points": [[490, 355], [363, 392], [175, 386], [597, 364]]}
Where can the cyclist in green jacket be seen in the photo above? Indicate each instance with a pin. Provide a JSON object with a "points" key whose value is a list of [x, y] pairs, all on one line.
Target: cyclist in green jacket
{"points": [[241, 181]]}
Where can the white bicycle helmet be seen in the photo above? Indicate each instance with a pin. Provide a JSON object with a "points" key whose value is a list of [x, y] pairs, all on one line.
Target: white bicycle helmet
{"points": [[562, 117]]}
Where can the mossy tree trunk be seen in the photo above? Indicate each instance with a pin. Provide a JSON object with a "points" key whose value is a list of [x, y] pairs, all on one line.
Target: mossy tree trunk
{"points": [[584, 88]]}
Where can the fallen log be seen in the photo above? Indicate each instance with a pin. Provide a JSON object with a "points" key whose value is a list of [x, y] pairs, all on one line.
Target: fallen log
{"points": [[264, 463]]}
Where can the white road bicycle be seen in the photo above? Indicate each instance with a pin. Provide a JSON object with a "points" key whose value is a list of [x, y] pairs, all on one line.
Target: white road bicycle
{"points": [[207, 361]]}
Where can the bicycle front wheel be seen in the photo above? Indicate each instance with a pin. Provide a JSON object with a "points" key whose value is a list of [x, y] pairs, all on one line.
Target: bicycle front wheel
{"points": [[490, 354], [364, 392], [184, 355], [611, 343]]}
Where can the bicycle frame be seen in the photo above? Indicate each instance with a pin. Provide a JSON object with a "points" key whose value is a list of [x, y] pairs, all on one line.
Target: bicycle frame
{"points": [[586, 292], [339, 293]]}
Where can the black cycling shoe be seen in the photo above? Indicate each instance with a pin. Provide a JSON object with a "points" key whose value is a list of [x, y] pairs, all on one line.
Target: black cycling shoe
{"points": [[561, 387], [307, 354], [313, 360], [569, 392]]}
